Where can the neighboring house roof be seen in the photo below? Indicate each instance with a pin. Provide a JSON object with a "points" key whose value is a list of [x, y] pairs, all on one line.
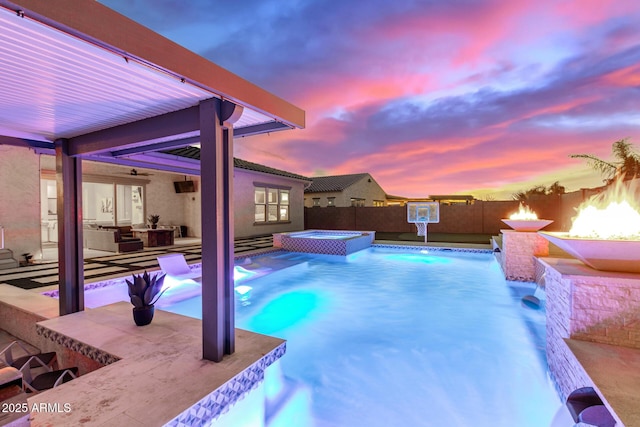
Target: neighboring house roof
{"points": [[322, 184], [194, 153], [392, 197], [243, 164]]}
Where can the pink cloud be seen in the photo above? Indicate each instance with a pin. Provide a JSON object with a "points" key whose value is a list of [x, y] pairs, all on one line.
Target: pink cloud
{"points": [[494, 118]]}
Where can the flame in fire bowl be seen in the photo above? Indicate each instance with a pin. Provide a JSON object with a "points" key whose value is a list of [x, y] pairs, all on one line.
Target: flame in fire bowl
{"points": [[607, 255], [526, 220]]}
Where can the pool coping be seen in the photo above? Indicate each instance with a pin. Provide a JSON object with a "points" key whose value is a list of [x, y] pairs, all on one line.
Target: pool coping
{"points": [[144, 361]]}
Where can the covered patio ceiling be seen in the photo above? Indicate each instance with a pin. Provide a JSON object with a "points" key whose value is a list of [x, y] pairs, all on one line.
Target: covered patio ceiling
{"points": [[120, 93], [84, 82]]}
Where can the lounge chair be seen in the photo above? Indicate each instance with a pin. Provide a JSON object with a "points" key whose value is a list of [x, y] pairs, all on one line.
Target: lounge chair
{"points": [[46, 380], [175, 266], [46, 360]]}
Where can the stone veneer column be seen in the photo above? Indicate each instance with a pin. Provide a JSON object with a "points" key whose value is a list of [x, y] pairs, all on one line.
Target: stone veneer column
{"points": [[518, 251], [566, 372], [589, 305]]}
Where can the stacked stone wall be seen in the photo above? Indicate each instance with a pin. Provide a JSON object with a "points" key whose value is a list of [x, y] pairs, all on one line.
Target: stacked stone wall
{"points": [[595, 306], [606, 310], [519, 250], [566, 371]]}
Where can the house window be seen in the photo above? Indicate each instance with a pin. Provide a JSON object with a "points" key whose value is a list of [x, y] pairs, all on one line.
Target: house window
{"points": [[271, 204], [378, 203], [331, 201], [316, 201], [357, 202]]}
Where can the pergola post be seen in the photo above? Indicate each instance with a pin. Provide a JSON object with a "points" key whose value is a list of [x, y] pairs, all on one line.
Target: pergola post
{"points": [[70, 247], [216, 179], [229, 286]]}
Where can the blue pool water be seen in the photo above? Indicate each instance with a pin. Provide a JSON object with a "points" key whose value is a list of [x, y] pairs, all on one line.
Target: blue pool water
{"points": [[390, 338]]}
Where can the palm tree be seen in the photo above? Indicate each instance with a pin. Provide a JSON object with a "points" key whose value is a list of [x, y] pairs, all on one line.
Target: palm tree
{"points": [[627, 165], [556, 189], [523, 196]]}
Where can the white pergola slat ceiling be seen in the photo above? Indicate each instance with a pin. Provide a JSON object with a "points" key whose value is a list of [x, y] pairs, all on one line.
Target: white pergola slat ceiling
{"points": [[55, 85]]}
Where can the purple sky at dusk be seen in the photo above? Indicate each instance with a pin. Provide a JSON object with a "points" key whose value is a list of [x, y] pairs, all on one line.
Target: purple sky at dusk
{"points": [[480, 97]]}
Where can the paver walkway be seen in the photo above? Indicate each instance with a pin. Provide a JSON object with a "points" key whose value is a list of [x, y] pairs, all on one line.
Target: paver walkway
{"points": [[46, 274]]}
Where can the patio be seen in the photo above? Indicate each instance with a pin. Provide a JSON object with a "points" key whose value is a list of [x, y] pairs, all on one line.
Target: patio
{"points": [[121, 97]]}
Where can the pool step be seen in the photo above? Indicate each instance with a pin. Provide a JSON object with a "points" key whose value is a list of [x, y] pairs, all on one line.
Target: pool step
{"points": [[287, 401], [291, 408]]}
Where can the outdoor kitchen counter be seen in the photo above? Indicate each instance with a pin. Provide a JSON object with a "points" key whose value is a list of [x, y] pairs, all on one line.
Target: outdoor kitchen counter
{"points": [[157, 373]]}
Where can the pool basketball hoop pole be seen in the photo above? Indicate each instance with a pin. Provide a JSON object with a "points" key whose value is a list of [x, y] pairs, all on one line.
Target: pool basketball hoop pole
{"points": [[421, 214]]}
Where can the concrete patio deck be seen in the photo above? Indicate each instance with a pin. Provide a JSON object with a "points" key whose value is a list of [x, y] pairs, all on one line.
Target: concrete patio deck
{"points": [[100, 265]]}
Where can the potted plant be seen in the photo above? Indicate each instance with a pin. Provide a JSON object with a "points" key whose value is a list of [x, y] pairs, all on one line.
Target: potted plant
{"points": [[153, 220], [144, 291]]}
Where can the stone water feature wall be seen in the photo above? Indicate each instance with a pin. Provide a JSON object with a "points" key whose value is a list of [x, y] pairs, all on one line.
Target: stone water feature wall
{"points": [[518, 252], [565, 369], [588, 305]]}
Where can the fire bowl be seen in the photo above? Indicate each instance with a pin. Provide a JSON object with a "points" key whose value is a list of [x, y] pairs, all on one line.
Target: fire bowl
{"points": [[527, 224], [606, 255]]}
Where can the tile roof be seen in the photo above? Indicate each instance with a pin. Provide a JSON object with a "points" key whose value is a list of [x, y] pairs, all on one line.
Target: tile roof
{"points": [[322, 184], [243, 164], [194, 153]]}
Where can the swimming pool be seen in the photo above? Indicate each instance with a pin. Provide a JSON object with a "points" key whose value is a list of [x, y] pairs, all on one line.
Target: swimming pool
{"points": [[389, 337]]}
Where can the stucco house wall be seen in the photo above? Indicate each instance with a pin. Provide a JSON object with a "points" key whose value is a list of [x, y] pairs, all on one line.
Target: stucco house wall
{"points": [[244, 207], [20, 199], [324, 198], [21, 209], [160, 196], [243, 191], [366, 188]]}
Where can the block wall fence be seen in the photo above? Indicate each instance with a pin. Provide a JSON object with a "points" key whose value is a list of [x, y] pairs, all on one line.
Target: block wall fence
{"points": [[481, 217]]}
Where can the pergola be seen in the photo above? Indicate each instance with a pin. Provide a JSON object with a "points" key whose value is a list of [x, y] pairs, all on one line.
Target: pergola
{"points": [[85, 82]]}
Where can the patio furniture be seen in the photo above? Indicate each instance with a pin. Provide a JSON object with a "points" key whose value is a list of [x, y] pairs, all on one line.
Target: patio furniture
{"points": [[46, 360], [111, 240], [47, 380], [175, 266], [154, 237], [177, 231]]}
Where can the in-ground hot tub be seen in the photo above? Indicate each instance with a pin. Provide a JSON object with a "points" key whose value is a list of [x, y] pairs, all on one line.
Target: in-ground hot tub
{"points": [[330, 242]]}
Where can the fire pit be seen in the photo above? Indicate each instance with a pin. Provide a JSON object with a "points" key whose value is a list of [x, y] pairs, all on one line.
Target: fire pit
{"points": [[607, 255], [526, 220], [606, 233]]}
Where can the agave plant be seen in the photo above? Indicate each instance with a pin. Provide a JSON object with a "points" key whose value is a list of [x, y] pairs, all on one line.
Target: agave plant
{"points": [[145, 290]]}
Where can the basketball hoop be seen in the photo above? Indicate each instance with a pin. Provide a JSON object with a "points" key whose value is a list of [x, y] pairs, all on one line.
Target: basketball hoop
{"points": [[422, 213]]}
